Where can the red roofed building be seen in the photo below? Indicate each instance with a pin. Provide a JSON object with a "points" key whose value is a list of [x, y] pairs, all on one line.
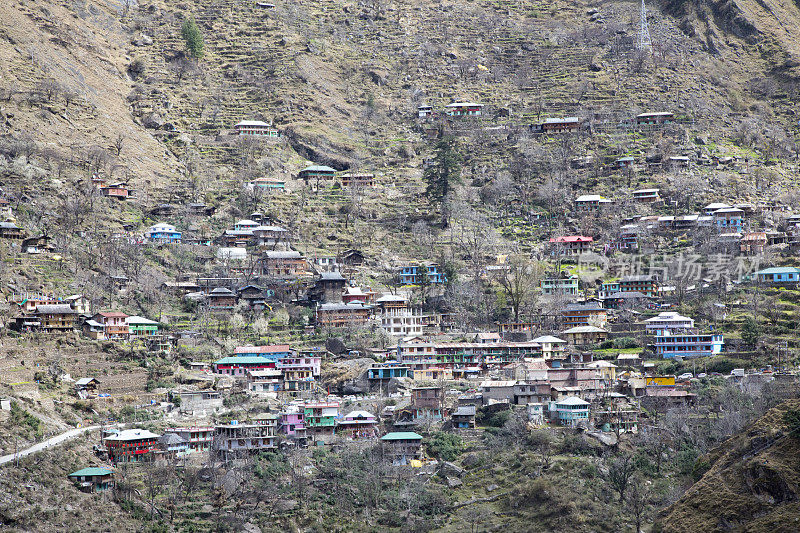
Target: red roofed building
{"points": [[115, 324], [571, 244]]}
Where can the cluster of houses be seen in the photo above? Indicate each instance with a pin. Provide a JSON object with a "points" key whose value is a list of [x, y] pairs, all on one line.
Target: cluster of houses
{"points": [[49, 314], [734, 224]]}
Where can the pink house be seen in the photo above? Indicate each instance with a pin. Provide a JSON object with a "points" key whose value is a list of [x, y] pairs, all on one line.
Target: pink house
{"points": [[358, 425], [293, 425], [571, 244]]}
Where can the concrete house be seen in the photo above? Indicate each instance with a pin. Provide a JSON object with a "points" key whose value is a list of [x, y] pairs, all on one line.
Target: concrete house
{"points": [[646, 196], [464, 109], [163, 233], [255, 127], [591, 202], [131, 445], [779, 275], [570, 411]]}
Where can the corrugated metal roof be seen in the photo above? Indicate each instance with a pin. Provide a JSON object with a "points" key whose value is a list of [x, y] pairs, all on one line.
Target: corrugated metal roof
{"points": [[402, 435], [91, 471]]}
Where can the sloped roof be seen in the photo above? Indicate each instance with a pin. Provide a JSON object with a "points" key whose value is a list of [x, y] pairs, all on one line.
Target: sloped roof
{"points": [[402, 435], [584, 329], [547, 339], [572, 400], [273, 348], [56, 309], [318, 168], [132, 434], [140, 320], [91, 471], [243, 360]]}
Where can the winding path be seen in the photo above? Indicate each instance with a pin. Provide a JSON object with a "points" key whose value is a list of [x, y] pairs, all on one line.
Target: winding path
{"points": [[52, 441]]}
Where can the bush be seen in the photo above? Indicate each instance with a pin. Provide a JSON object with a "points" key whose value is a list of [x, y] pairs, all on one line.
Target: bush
{"points": [[445, 446], [623, 343], [792, 420], [496, 420], [724, 365], [24, 420], [685, 461]]}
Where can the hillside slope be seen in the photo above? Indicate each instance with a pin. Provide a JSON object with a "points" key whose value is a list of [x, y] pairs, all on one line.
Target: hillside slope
{"points": [[64, 85], [752, 485]]}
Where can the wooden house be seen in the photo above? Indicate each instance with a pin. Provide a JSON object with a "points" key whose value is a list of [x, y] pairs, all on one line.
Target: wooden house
{"points": [[94, 330], [584, 335], [339, 315], [561, 125], [316, 173], [131, 445], [754, 243], [402, 447], [464, 109], [114, 323], [288, 264], [221, 298], [233, 439], [646, 196], [328, 288], [657, 118], [93, 479], [463, 417], [58, 318], [117, 190], [358, 425], [353, 179], [590, 202], [9, 230]]}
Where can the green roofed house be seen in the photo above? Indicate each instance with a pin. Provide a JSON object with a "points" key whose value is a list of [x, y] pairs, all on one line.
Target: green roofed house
{"points": [[139, 326], [401, 447], [93, 479], [316, 173], [779, 275]]}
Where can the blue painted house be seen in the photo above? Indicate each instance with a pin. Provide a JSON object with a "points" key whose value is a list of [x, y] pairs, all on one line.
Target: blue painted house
{"points": [[163, 233], [685, 343], [779, 275], [729, 218], [570, 411], [387, 371], [411, 274]]}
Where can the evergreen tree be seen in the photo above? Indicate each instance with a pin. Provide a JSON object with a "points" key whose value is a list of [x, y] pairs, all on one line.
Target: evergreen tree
{"points": [[194, 39], [444, 173], [751, 331]]}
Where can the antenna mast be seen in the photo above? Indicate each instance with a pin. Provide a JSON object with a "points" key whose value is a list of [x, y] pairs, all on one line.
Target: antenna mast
{"points": [[644, 31]]}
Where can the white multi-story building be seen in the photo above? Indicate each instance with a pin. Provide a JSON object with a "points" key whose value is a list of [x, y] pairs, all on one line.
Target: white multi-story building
{"points": [[668, 320]]}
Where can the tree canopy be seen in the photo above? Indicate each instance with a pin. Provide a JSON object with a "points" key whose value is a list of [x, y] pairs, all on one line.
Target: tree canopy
{"points": [[193, 37], [444, 172]]}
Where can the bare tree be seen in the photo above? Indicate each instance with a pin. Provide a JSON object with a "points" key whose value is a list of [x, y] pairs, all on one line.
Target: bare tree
{"points": [[620, 471], [118, 143], [519, 277], [637, 500]]}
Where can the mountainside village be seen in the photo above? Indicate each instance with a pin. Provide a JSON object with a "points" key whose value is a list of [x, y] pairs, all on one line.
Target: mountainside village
{"points": [[334, 266], [553, 362]]}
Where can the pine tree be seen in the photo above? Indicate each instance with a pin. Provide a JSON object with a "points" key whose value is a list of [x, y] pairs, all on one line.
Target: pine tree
{"points": [[194, 39], [444, 173], [751, 331]]}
